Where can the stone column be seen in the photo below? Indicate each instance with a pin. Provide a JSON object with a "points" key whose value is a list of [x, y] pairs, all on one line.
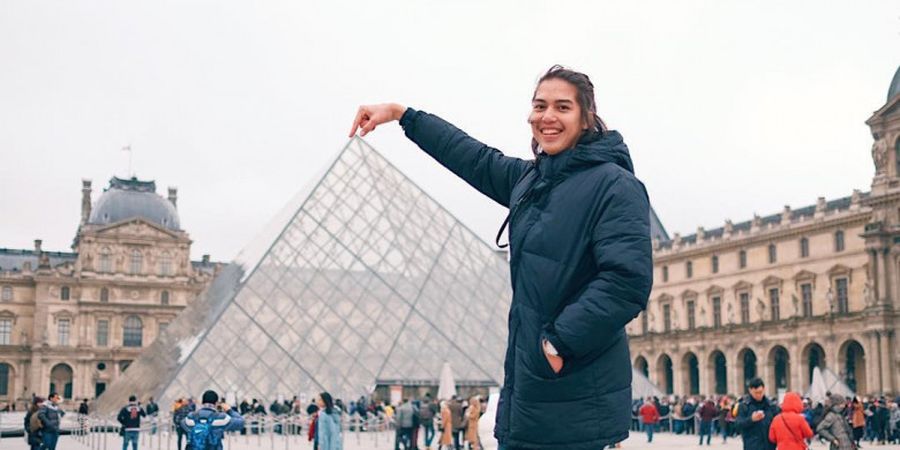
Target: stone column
{"points": [[870, 349], [677, 376], [886, 270], [735, 373], [796, 374], [885, 362]]}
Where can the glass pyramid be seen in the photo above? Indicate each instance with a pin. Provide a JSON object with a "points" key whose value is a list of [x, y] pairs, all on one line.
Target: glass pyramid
{"points": [[362, 279]]}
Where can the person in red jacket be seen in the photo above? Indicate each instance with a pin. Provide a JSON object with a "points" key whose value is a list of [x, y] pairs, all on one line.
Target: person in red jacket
{"points": [[649, 417], [789, 430]]}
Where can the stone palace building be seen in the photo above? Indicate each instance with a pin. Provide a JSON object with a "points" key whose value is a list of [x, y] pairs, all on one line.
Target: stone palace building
{"points": [[776, 296], [72, 322]]}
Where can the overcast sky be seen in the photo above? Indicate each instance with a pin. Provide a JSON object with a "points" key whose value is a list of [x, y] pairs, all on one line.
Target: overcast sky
{"points": [[729, 108]]}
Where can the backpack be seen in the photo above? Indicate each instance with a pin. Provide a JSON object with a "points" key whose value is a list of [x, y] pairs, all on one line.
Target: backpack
{"points": [[34, 423], [202, 436]]}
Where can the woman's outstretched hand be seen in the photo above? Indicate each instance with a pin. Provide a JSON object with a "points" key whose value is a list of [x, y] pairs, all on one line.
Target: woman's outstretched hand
{"points": [[370, 116]]}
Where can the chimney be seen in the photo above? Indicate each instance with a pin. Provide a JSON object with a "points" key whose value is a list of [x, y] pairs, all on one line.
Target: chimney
{"points": [[37, 247], [786, 215], [85, 200], [821, 204], [205, 259], [173, 196]]}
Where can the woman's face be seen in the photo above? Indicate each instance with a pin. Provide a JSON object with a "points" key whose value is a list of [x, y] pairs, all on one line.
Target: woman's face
{"points": [[319, 402], [555, 118]]}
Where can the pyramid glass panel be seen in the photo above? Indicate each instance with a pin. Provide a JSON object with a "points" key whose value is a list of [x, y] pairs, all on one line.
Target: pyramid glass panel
{"points": [[362, 279]]}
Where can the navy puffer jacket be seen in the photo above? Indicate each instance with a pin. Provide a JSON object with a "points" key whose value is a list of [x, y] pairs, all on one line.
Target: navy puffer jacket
{"points": [[581, 269]]}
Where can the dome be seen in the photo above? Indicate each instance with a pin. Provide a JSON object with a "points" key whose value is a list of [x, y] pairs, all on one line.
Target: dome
{"points": [[895, 85], [129, 198]]}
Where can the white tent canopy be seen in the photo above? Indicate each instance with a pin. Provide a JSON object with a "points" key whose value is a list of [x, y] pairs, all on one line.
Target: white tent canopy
{"points": [[447, 386], [824, 381]]}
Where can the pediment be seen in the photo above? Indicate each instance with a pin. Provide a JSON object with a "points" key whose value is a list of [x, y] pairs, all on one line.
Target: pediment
{"points": [[838, 269], [714, 289], [772, 280], [742, 286], [689, 293], [804, 275], [665, 298], [891, 108], [138, 227]]}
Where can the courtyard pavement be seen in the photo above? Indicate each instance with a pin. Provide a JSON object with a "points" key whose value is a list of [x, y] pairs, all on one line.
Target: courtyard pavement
{"points": [[369, 441]]}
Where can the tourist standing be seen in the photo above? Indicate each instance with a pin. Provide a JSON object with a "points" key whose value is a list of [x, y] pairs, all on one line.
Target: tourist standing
{"points": [[707, 414], [182, 409], [403, 420], [130, 420], [206, 427], [50, 416], [33, 424], [580, 260], [649, 417], [834, 427], [446, 441], [857, 419], [755, 414], [427, 411], [789, 430], [473, 413], [328, 424]]}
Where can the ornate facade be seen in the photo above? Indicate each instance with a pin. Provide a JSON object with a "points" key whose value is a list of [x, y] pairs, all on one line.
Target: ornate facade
{"points": [[73, 322], [779, 295]]}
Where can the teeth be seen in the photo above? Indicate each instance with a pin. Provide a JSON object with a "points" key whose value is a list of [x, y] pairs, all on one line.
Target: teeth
{"points": [[550, 131]]}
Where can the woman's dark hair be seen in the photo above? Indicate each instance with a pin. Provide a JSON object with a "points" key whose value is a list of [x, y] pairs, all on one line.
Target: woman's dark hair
{"points": [[584, 96], [328, 401]]}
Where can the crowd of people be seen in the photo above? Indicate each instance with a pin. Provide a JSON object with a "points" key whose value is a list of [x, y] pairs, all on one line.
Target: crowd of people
{"points": [[843, 423]]}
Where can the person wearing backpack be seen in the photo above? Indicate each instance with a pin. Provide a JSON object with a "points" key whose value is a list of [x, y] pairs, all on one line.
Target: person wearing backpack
{"points": [[789, 430], [206, 427], [426, 413], [33, 425], [130, 419], [50, 416]]}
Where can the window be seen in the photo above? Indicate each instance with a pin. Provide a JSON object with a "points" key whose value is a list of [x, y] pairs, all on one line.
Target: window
{"points": [[667, 318], [689, 269], [745, 307], [62, 329], [7, 294], [105, 262], [839, 241], [717, 311], [665, 273], [164, 297], [742, 259], [4, 379], [104, 295], [165, 265], [137, 262], [691, 315], [132, 332], [843, 302], [645, 326], [102, 333], [163, 326], [804, 247], [5, 331], [773, 254], [806, 294], [64, 293], [774, 303], [715, 264]]}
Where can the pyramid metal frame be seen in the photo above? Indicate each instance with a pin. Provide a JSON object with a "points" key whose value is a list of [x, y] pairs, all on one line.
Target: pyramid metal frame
{"points": [[364, 277]]}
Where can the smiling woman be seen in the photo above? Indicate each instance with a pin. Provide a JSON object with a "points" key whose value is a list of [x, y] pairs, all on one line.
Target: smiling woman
{"points": [[580, 261]]}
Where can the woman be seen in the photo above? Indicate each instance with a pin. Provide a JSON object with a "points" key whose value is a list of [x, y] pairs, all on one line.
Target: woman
{"points": [[580, 260], [789, 430], [857, 419], [473, 413], [33, 425], [446, 427], [328, 424], [834, 428]]}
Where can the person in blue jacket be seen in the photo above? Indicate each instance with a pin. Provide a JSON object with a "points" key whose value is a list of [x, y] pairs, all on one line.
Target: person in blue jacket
{"points": [[206, 427], [580, 260]]}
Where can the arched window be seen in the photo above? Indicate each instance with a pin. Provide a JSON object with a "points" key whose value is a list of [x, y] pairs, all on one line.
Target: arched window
{"points": [[104, 295], [61, 377], [839, 241], [164, 297], [64, 293], [132, 332], [105, 262], [165, 265], [137, 262]]}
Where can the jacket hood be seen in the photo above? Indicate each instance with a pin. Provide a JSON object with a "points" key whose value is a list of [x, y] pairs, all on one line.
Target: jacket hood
{"points": [[591, 150], [792, 403]]}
